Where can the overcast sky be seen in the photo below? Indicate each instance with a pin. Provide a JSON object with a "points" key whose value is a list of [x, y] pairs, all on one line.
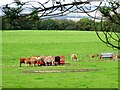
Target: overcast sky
{"points": [[4, 2]]}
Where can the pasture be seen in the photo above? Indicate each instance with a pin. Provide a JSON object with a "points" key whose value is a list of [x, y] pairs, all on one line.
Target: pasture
{"points": [[86, 73]]}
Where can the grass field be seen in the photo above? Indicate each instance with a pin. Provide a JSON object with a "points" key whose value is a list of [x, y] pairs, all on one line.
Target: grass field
{"points": [[16, 44]]}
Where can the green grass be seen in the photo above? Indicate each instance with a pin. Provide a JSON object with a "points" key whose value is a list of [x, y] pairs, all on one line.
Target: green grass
{"points": [[16, 44]]}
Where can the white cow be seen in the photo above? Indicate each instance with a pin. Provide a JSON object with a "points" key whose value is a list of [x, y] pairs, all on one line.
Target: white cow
{"points": [[49, 59]]}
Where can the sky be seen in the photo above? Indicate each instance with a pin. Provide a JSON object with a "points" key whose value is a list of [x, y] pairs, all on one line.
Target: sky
{"points": [[4, 2]]}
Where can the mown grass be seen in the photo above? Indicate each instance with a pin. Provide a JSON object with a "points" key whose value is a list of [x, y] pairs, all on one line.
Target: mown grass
{"points": [[16, 44]]}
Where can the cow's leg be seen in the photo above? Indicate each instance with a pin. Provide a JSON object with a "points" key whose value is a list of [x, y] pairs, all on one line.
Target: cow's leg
{"points": [[20, 64], [40, 62], [21, 61], [35, 63], [76, 59], [26, 63], [52, 63], [32, 63], [45, 63], [72, 59]]}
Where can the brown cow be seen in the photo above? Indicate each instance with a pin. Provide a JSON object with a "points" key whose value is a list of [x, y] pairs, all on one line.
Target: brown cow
{"points": [[74, 57], [116, 57], [25, 61], [99, 56], [33, 60]]}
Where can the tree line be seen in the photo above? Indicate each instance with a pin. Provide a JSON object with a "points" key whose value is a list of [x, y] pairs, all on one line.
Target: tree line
{"points": [[84, 24]]}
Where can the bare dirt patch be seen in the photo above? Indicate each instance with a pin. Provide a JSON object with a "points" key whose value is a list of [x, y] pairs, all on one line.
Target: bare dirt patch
{"points": [[58, 71]]}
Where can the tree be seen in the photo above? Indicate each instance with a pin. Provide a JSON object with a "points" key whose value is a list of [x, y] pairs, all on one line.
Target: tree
{"points": [[67, 25], [85, 24], [110, 24], [14, 20], [48, 24]]}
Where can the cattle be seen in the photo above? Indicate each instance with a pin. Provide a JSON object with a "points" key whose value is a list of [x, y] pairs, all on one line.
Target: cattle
{"points": [[42, 60], [48, 60], [34, 60], [37, 60], [57, 60], [74, 57], [99, 56], [25, 61], [92, 56], [116, 57]]}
